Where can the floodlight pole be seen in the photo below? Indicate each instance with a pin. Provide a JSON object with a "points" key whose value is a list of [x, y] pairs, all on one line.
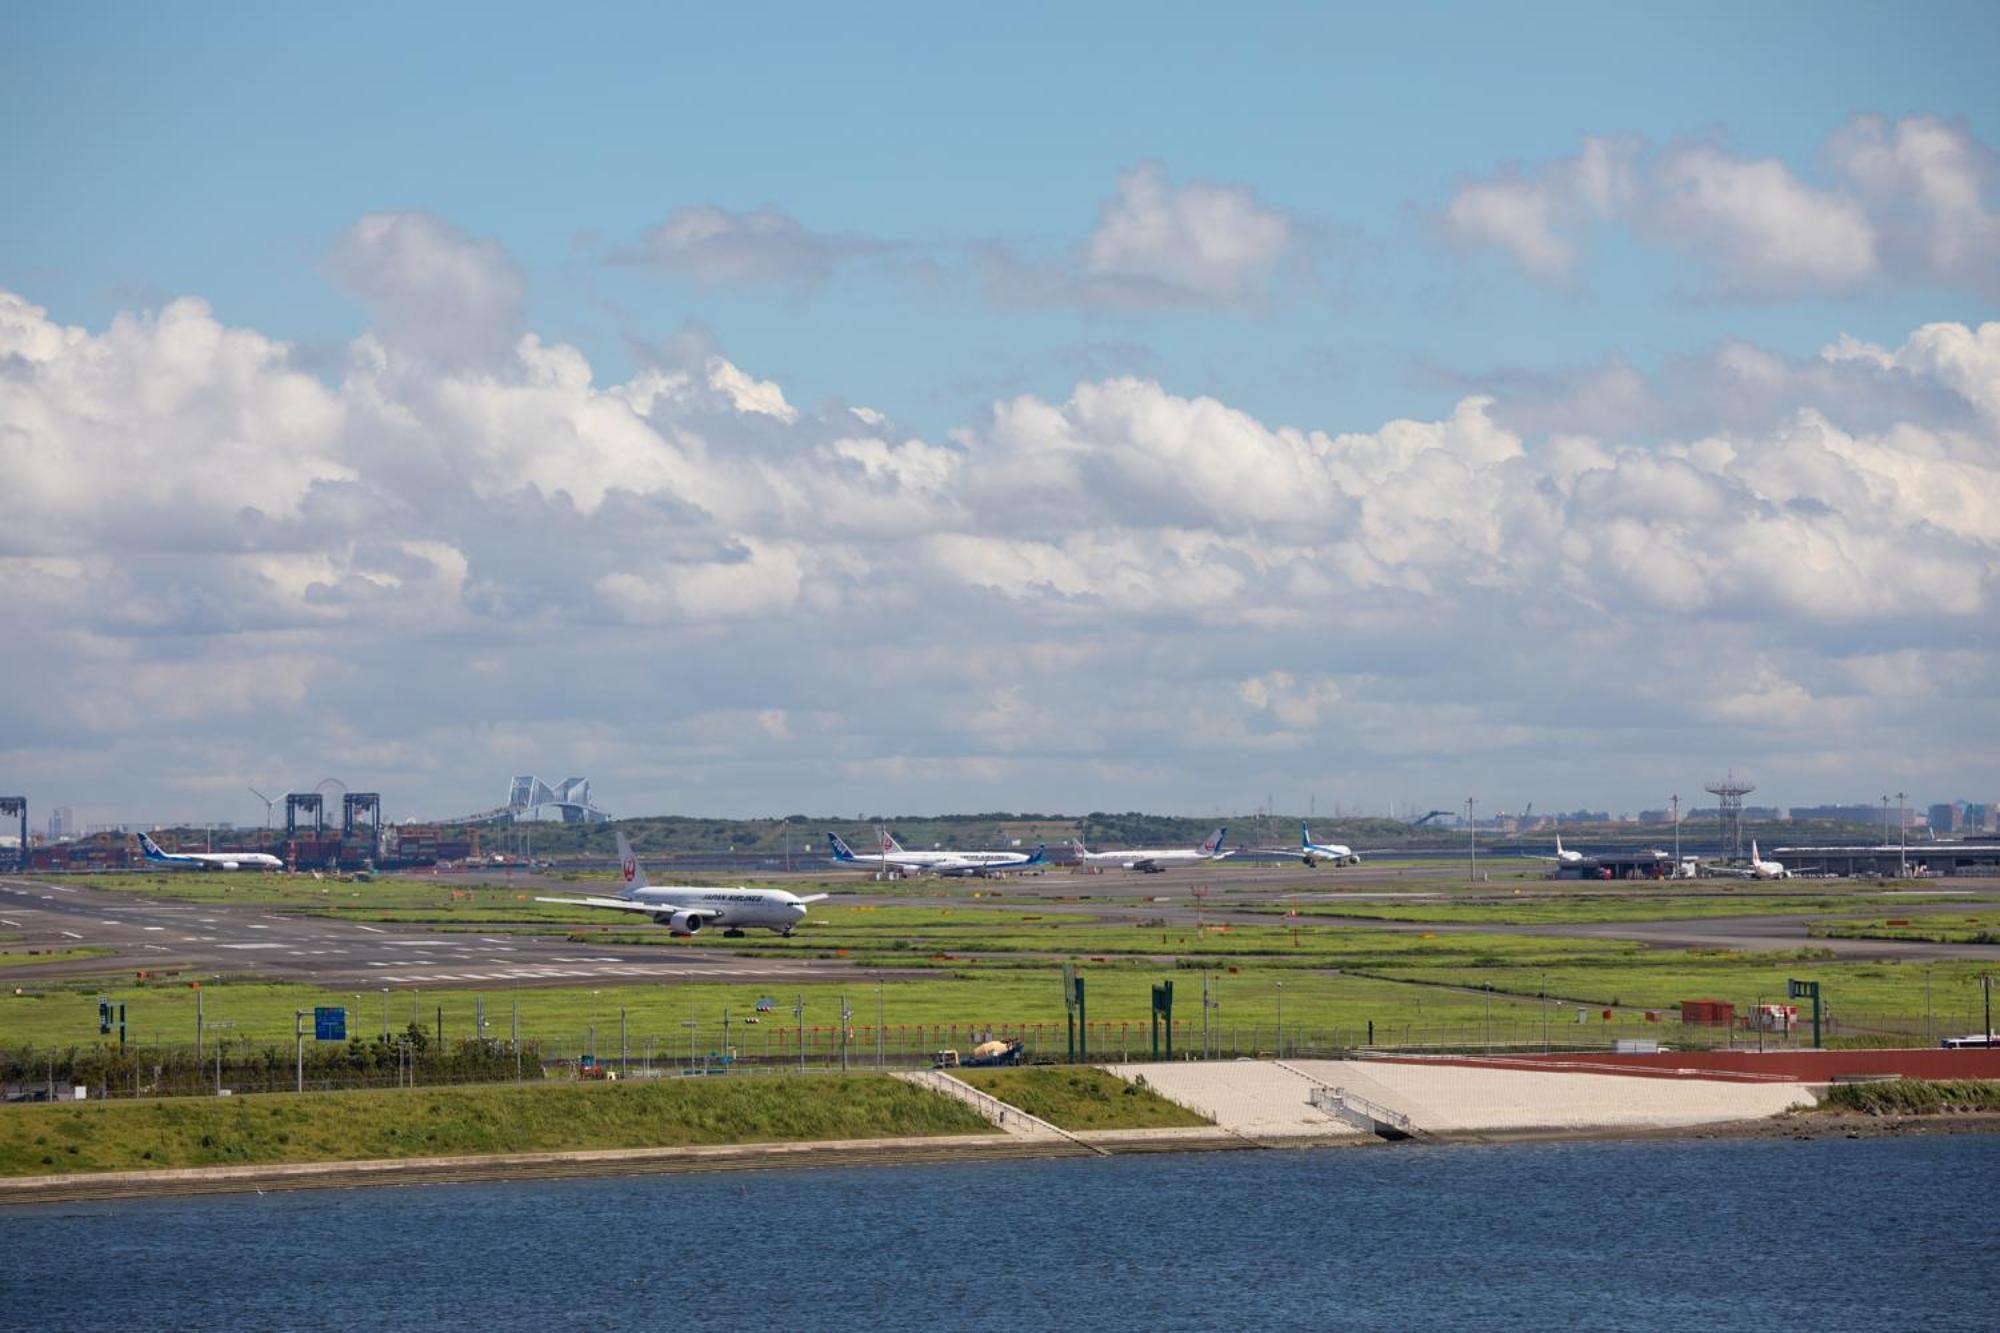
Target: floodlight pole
{"points": [[1677, 833], [1472, 828], [299, 1042], [1902, 836]]}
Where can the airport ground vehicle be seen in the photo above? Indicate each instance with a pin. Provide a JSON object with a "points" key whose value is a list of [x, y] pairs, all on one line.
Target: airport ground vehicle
{"points": [[986, 1055]]}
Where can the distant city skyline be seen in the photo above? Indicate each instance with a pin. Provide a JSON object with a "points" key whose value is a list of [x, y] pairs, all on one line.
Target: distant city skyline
{"points": [[1051, 408]]}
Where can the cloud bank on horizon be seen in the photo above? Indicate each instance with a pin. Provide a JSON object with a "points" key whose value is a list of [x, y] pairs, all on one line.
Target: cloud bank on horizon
{"points": [[452, 549]]}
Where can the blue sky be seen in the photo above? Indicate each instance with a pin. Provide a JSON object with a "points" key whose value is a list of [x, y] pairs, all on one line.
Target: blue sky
{"points": [[942, 188]]}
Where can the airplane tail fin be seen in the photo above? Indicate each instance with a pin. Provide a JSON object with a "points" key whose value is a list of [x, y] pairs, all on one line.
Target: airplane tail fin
{"points": [[151, 849], [1040, 857], [1559, 846], [1076, 845], [630, 876], [1305, 835], [841, 851], [1755, 856], [1212, 844], [890, 847]]}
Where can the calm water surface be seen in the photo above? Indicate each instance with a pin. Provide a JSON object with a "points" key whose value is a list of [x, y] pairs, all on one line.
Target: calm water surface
{"points": [[1887, 1233]]}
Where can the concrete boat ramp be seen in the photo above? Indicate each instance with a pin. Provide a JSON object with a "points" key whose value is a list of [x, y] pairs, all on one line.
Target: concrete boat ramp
{"points": [[1359, 1100]]}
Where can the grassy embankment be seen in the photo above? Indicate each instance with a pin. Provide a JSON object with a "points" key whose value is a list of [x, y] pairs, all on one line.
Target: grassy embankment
{"points": [[1081, 1098], [358, 1126], [1910, 1096]]}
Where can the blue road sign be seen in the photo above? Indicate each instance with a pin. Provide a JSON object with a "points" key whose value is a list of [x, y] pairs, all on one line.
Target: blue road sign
{"points": [[329, 1025]]}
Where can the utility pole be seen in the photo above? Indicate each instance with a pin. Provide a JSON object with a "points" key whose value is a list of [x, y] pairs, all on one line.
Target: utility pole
{"points": [[516, 1039], [198, 1017], [1677, 832], [299, 1041], [799, 1012]]}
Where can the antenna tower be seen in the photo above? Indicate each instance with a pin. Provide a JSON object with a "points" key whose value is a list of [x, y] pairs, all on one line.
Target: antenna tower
{"points": [[1729, 794]]}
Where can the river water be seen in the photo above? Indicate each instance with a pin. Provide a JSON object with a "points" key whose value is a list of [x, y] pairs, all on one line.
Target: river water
{"points": [[1687, 1234]]}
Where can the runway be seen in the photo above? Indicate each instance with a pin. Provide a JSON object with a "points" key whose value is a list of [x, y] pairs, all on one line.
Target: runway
{"points": [[257, 943]]}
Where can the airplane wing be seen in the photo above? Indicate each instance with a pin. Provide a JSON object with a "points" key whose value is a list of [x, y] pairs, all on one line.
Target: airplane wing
{"points": [[814, 897], [617, 905]]}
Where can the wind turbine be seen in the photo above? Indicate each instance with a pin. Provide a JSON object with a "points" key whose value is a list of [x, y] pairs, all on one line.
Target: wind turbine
{"points": [[268, 803]]}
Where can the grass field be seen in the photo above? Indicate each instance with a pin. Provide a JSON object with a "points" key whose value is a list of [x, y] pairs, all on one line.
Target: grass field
{"points": [[353, 1126], [919, 1015], [1936, 927], [1585, 908], [22, 958], [993, 964], [1858, 990], [1081, 1098]]}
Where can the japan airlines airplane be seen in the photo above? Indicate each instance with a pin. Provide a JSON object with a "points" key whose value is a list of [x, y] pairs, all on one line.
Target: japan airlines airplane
{"points": [[208, 860], [1758, 868], [1762, 869], [1312, 853], [1563, 858], [894, 858], [685, 909], [1152, 859]]}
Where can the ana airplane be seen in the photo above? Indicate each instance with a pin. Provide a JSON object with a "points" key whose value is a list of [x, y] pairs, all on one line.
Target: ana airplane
{"points": [[208, 860], [1312, 853], [1153, 860], [686, 909], [894, 858]]}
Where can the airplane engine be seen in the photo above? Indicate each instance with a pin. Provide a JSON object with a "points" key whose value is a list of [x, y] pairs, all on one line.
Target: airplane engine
{"points": [[1310, 861], [684, 923]]}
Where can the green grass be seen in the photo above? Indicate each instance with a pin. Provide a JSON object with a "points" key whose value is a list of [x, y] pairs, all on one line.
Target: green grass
{"points": [[354, 1126], [1658, 980], [23, 959], [1585, 908], [1935, 927], [1910, 1096], [1081, 1098], [920, 1014]]}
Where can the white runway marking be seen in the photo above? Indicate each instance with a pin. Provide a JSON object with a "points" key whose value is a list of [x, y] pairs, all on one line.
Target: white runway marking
{"points": [[373, 930], [156, 928], [70, 934], [253, 946], [6, 922]]}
